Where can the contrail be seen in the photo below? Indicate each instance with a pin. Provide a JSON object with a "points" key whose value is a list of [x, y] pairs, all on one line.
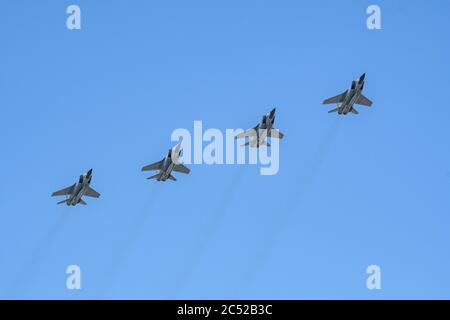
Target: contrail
{"points": [[296, 194], [210, 230], [31, 269], [129, 239]]}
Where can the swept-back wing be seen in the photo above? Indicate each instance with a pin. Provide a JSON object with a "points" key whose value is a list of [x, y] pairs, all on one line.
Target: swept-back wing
{"points": [[248, 133], [336, 99], [364, 101], [153, 166], [64, 192], [181, 168], [91, 193], [274, 133]]}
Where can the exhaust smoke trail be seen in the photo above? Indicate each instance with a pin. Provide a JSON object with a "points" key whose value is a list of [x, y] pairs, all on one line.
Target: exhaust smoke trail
{"points": [[211, 229], [31, 269], [129, 240], [296, 194]]}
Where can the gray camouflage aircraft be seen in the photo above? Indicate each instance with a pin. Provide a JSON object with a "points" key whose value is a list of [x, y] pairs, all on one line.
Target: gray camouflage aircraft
{"points": [[167, 165], [263, 130], [353, 95], [76, 191]]}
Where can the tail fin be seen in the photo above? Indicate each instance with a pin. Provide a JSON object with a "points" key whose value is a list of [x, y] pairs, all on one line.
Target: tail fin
{"points": [[64, 201], [154, 177]]}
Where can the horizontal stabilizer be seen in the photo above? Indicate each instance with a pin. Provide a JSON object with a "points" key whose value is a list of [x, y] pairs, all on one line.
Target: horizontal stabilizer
{"points": [[154, 177], [254, 143], [171, 177], [334, 110], [61, 202], [81, 201]]}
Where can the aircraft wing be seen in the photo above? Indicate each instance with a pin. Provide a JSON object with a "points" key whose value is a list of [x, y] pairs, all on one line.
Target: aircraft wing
{"points": [[181, 168], [153, 166], [91, 193], [64, 192], [274, 133], [336, 99], [255, 143], [248, 133], [364, 101]]}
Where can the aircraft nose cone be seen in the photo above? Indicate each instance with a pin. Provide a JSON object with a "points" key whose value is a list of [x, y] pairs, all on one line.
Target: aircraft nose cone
{"points": [[362, 77], [177, 149], [89, 172]]}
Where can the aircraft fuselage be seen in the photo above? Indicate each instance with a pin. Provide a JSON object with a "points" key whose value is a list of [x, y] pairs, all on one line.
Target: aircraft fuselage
{"points": [[166, 169], [264, 127], [352, 95], [79, 190]]}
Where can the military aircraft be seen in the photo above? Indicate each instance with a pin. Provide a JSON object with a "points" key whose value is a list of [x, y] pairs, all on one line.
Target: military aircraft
{"points": [[167, 165], [263, 130], [346, 100], [76, 191]]}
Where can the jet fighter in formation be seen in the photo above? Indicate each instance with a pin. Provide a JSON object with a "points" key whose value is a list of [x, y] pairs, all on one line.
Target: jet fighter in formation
{"points": [[75, 192], [347, 99], [263, 130], [257, 137], [167, 165]]}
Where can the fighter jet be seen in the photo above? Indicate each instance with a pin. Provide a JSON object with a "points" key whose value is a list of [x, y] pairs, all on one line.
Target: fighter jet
{"points": [[353, 95], [263, 130], [76, 191], [167, 165]]}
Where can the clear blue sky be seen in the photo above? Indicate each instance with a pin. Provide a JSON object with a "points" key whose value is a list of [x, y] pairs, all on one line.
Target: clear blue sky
{"points": [[351, 191]]}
